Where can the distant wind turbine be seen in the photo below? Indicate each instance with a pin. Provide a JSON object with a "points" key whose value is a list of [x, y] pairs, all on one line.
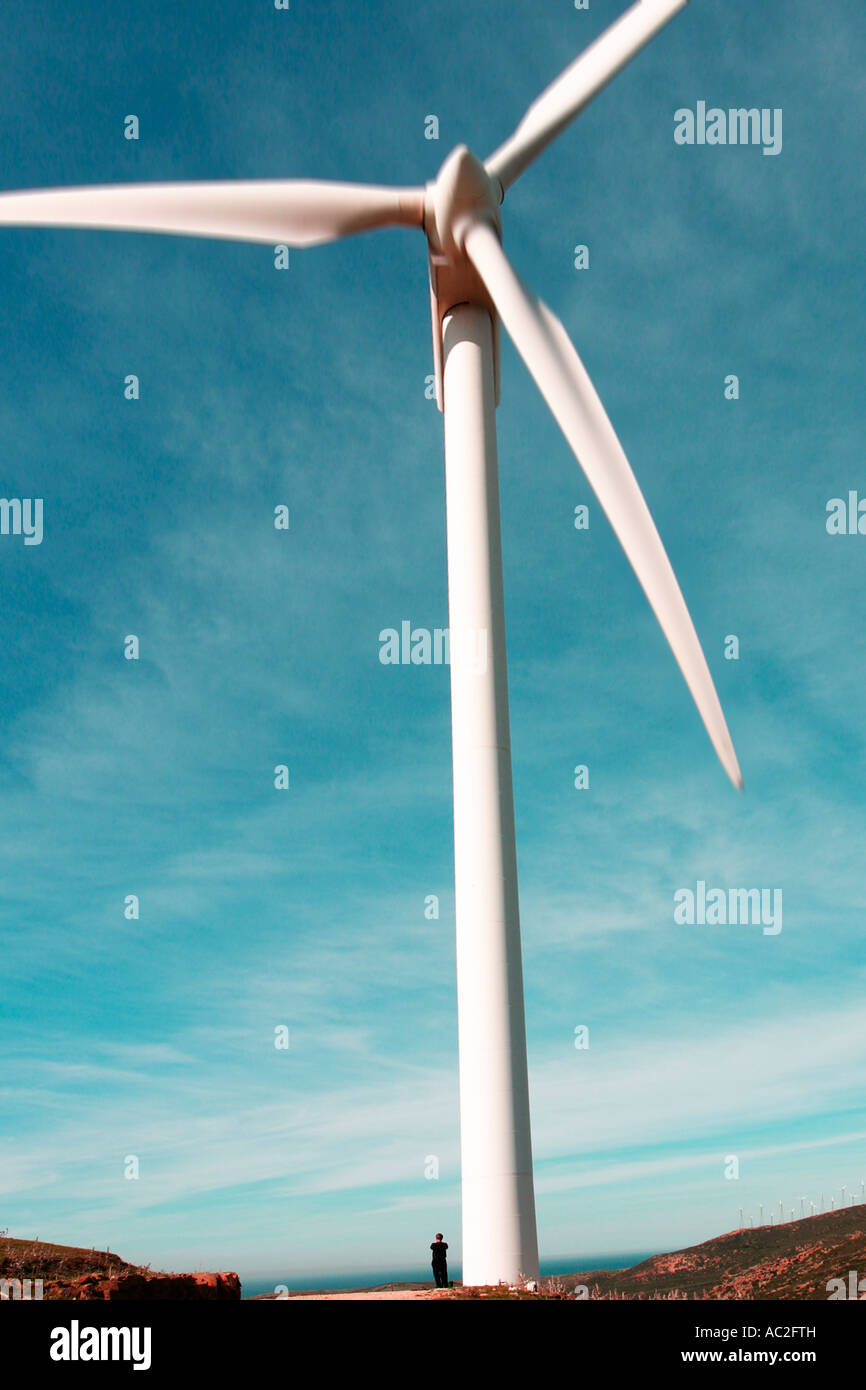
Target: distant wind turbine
{"points": [[473, 287]]}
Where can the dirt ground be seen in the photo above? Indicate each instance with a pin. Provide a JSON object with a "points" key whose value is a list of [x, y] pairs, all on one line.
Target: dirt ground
{"points": [[391, 1296]]}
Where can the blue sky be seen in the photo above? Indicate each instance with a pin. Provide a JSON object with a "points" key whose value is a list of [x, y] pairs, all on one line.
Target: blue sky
{"points": [[306, 387]]}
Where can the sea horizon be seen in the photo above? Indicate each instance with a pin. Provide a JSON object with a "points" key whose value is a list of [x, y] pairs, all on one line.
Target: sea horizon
{"points": [[253, 1285]]}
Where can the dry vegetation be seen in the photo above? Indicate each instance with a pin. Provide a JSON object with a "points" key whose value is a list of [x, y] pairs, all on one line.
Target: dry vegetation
{"points": [[37, 1259]]}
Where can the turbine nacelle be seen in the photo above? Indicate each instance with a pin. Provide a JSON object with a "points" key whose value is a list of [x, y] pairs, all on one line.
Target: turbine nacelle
{"points": [[462, 195]]}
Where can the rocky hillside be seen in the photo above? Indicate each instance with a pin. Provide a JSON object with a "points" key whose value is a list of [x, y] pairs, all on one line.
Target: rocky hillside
{"points": [[72, 1272], [795, 1260]]}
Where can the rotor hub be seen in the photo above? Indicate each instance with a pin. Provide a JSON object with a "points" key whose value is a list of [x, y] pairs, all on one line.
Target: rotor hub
{"points": [[462, 193]]}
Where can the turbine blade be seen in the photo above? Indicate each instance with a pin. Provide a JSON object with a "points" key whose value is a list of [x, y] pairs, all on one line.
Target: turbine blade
{"points": [[562, 379], [297, 212], [578, 84]]}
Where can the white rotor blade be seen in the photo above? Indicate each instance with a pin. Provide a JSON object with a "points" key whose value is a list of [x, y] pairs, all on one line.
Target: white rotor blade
{"points": [[576, 87], [562, 379], [297, 212]]}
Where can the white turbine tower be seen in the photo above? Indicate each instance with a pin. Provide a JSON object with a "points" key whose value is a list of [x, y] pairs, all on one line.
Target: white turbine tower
{"points": [[473, 288]]}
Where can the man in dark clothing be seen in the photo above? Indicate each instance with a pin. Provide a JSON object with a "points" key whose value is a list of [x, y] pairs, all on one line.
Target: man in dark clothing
{"points": [[440, 1261]]}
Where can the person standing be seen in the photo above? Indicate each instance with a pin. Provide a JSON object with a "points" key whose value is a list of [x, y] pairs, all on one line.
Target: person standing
{"points": [[440, 1261]]}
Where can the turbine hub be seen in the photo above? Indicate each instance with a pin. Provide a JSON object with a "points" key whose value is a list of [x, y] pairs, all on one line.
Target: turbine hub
{"points": [[463, 192]]}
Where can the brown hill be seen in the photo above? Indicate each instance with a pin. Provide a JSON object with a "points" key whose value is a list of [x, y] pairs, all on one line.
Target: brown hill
{"points": [[72, 1272], [794, 1260], [38, 1259]]}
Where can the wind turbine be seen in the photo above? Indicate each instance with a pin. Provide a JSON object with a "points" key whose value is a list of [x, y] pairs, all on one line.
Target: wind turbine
{"points": [[472, 288]]}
